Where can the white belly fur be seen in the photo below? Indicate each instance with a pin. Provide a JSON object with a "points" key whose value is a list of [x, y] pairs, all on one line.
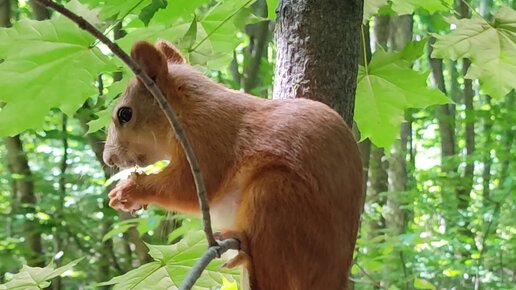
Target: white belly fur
{"points": [[223, 212]]}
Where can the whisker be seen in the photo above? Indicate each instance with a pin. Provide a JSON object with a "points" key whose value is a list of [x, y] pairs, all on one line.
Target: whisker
{"points": [[154, 137]]}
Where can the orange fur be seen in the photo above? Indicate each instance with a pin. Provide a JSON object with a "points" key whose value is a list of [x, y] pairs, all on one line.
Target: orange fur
{"points": [[286, 175]]}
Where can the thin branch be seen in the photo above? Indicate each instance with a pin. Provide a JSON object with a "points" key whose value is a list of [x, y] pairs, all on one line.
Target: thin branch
{"points": [[212, 253], [118, 22], [373, 281], [162, 102], [220, 25]]}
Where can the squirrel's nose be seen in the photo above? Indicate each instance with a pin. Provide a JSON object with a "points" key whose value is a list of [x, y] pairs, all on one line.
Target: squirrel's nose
{"points": [[109, 158]]}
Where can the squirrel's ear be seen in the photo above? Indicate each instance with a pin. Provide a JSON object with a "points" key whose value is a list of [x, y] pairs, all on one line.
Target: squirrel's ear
{"points": [[171, 53], [150, 59]]}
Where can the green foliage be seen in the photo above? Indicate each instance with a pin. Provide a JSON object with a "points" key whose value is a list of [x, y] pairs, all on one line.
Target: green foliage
{"points": [[46, 54], [402, 7], [202, 37], [35, 278], [56, 58], [271, 8], [491, 46], [388, 86], [371, 7], [409, 6], [52, 67], [423, 284], [171, 266]]}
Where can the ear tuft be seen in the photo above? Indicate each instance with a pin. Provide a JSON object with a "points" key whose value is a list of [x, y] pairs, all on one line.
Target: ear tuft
{"points": [[150, 59], [170, 51]]}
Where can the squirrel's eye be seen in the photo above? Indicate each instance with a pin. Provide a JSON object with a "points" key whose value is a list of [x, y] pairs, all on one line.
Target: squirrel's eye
{"points": [[124, 114]]}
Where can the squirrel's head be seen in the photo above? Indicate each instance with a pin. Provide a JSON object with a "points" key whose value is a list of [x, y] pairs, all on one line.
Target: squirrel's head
{"points": [[139, 133]]}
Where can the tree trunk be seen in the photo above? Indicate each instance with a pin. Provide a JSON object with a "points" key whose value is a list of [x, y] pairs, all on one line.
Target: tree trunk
{"points": [[445, 114], [395, 216], [39, 12], [5, 13], [60, 231], [382, 30], [18, 162], [259, 36], [378, 183], [465, 186], [318, 44]]}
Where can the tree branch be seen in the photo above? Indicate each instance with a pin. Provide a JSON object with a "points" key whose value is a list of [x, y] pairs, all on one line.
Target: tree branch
{"points": [[162, 102], [373, 281], [212, 253]]}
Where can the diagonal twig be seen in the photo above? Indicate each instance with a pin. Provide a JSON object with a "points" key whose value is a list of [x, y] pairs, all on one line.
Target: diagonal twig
{"points": [[163, 104]]}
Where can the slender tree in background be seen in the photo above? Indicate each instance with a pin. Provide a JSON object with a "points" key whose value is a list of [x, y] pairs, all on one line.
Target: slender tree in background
{"points": [[259, 38], [394, 212]]}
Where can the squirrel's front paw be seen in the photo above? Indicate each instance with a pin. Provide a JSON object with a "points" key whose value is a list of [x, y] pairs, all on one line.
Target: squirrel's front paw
{"points": [[122, 197]]}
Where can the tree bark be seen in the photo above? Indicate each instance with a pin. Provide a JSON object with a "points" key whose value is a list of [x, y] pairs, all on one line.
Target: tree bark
{"points": [[39, 12], [378, 183], [382, 30], [467, 184], [395, 216], [60, 231], [259, 36], [18, 162], [5, 13], [444, 113], [318, 44]]}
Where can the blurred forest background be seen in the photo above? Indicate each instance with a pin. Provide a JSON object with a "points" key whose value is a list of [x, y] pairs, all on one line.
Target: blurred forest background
{"points": [[435, 110]]}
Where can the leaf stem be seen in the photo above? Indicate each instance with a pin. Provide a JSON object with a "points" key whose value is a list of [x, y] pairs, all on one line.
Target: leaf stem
{"points": [[220, 25], [364, 50]]}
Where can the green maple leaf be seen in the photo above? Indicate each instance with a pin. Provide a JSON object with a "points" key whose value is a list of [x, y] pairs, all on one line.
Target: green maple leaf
{"points": [[46, 64], [490, 46], [171, 266], [215, 31], [118, 8], [36, 278], [409, 6], [371, 7], [423, 284], [271, 8], [386, 89]]}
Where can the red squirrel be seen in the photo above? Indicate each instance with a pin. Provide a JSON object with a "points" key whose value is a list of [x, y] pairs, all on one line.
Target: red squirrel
{"points": [[282, 176]]}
